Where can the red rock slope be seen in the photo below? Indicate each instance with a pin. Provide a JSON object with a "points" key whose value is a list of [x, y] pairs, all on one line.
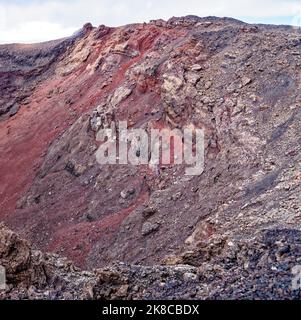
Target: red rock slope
{"points": [[239, 82]]}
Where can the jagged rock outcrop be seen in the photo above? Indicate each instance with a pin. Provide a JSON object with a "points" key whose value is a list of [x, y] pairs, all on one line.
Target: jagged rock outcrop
{"points": [[257, 269], [239, 82]]}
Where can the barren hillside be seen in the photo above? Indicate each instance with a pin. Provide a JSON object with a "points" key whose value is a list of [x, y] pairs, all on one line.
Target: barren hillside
{"points": [[235, 228]]}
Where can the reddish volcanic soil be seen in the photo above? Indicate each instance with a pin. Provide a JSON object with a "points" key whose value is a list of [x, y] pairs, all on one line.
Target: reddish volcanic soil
{"points": [[238, 82], [25, 138]]}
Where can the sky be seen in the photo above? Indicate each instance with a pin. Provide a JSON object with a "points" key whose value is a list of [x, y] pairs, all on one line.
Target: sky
{"points": [[29, 21]]}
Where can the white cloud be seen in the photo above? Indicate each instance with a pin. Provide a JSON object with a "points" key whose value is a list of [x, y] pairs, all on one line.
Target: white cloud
{"points": [[36, 31], [37, 20]]}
